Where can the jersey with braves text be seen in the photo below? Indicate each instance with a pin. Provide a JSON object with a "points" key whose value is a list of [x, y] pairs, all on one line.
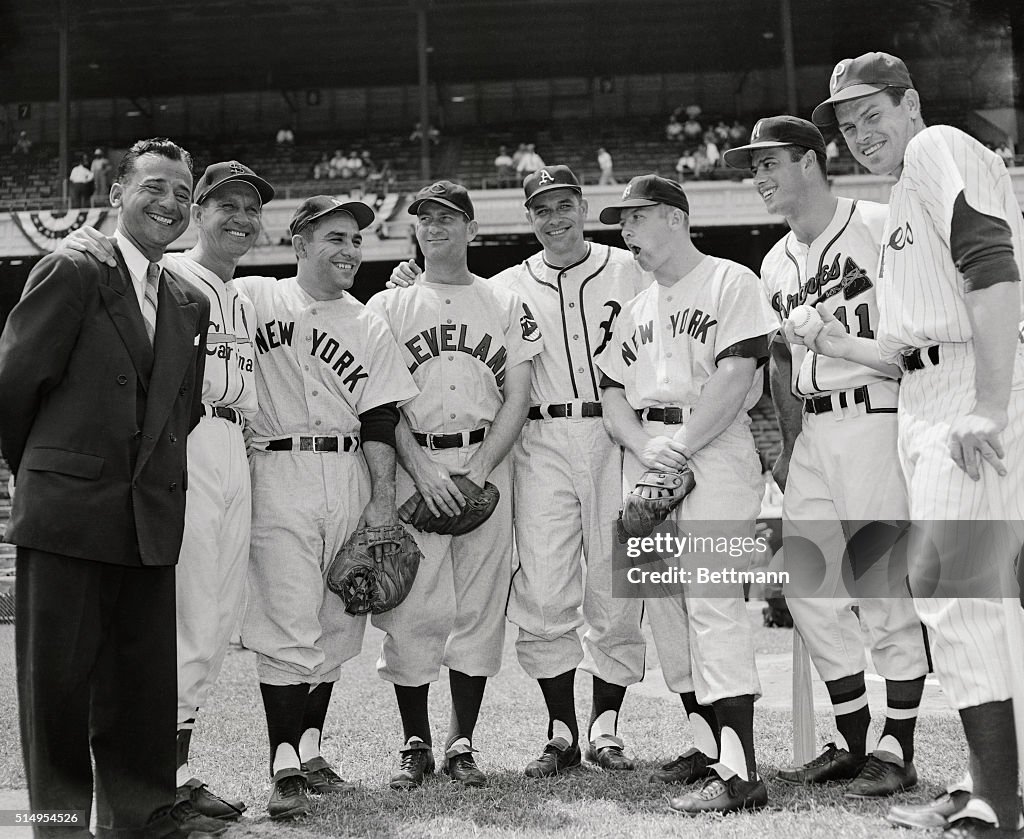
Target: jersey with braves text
{"points": [[836, 269], [576, 308], [921, 291], [668, 339], [230, 378], [319, 363], [458, 341]]}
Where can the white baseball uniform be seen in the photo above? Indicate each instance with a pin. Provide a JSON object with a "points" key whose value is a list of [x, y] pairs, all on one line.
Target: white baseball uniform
{"points": [[567, 474], [666, 344], [459, 342], [951, 197], [844, 466], [210, 576], [319, 364]]}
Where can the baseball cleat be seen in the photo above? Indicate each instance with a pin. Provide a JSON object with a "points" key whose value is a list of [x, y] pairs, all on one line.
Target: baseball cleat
{"points": [[461, 766], [977, 819], [718, 796], [208, 803], [557, 757], [833, 764], [320, 775], [191, 824], [688, 768], [883, 774], [606, 752], [289, 798], [935, 813], [417, 761]]}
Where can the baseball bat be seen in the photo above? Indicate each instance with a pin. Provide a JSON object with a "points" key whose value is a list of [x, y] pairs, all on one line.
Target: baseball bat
{"points": [[1014, 616], [803, 703]]}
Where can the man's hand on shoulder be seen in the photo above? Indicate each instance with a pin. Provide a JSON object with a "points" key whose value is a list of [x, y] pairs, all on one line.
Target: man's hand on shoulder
{"points": [[89, 240], [404, 274]]}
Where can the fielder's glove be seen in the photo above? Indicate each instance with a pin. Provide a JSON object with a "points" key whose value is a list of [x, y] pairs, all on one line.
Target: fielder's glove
{"points": [[375, 569], [655, 495], [480, 503]]}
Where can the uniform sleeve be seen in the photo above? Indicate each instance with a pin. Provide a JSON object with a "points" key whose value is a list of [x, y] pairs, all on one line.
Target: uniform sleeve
{"points": [[389, 380], [522, 337], [743, 314]]}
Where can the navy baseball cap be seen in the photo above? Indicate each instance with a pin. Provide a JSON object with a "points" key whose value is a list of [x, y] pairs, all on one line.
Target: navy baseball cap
{"points": [[217, 174], [444, 192], [550, 177], [323, 205], [772, 132], [853, 78], [646, 191]]}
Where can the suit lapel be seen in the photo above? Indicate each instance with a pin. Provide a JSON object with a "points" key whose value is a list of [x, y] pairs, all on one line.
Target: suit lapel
{"points": [[123, 306]]}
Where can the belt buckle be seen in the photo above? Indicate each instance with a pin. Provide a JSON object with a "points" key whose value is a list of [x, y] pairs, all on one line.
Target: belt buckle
{"points": [[568, 410], [673, 416], [319, 444], [430, 441]]}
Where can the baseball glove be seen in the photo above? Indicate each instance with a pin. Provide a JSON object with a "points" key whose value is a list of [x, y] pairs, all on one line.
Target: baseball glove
{"points": [[375, 569], [655, 495], [480, 503]]}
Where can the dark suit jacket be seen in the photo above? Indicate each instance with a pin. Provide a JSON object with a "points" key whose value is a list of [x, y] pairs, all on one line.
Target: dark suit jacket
{"points": [[94, 420]]}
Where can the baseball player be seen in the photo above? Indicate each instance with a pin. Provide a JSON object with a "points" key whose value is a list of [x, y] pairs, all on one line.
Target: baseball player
{"points": [[567, 477], [469, 345], [210, 578], [678, 377], [839, 462], [950, 306], [329, 377]]}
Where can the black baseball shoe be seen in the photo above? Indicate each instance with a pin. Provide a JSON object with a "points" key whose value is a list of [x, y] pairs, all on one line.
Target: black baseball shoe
{"points": [[688, 768], [322, 778], [558, 756], [417, 761], [460, 766], [606, 752], [289, 797], [208, 803], [883, 774], [718, 796], [833, 764], [935, 813]]}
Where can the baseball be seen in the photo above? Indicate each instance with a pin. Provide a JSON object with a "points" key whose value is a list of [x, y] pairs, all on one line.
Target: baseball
{"points": [[804, 318]]}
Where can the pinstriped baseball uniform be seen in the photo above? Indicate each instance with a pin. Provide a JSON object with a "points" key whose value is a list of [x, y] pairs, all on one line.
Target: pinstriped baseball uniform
{"points": [[844, 465], [319, 363], [210, 577], [568, 477], [665, 346], [947, 180], [459, 342]]}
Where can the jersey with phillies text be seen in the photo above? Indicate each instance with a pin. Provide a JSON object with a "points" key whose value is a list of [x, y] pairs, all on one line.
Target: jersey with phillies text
{"points": [[921, 290], [319, 363], [230, 377], [668, 340], [836, 269], [576, 308], [458, 341]]}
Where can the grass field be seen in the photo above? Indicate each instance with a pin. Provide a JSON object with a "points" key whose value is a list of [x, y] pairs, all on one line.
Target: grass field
{"points": [[230, 753]]}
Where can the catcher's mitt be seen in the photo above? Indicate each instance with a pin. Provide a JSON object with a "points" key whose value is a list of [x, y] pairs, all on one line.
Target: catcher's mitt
{"points": [[480, 503], [375, 569], [655, 495]]}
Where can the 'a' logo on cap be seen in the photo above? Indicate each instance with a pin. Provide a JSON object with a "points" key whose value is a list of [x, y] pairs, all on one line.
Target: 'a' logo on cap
{"points": [[833, 83], [545, 178], [236, 168], [438, 188], [626, 191]]}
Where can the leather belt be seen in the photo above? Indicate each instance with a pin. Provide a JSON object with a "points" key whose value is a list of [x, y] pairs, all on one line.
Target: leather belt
{"points": [[558, 410], [824, 403], [669, 415], [456, 440], [915, 359], [230, 414], [313, 444]]}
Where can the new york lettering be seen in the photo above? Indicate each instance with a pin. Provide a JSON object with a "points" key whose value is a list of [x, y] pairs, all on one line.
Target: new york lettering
{"points": [[693, 323]]}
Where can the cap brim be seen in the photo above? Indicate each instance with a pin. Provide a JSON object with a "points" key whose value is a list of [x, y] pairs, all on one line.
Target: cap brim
{"points": [[825, 113], [611, 215], [739, 157], [414, 207], [262, 187], [549, 187], [359, 211]]}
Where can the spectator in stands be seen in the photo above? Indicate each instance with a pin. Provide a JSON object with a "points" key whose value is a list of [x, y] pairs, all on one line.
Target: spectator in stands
{"points": [[285, 136], [1006, 153], [518, 156], [721, 135], [504, 169], [604, 161], [685, 165], [432, 132], [831, 154], [706, 158], [530, 162], [366, 163], [23, 145], [80, 182], [338, 164], [737, 133], [354, 166], [322, 168], [100, 168], [693, 131], [674, 129], [380, 180]]}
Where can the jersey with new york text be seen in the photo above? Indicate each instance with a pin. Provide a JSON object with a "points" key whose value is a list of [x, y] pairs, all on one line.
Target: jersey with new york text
{"points": [[921, 290], [668, 340], [838, 270], [458, 341], [230, 377], [319, 363], [576, 308]]}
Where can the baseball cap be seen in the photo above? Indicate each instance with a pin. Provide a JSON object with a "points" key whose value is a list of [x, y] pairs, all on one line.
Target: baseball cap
{"points": [[323, 205], [550, 177], [853, 78], [646, 191], [772, 132], [217, 174], [444, 192]]}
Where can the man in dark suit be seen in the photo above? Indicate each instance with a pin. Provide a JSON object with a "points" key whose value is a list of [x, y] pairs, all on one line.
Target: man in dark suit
{"points": [[100, 384]]}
